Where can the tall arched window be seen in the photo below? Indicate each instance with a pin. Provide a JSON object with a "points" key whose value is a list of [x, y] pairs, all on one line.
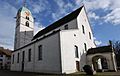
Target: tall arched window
{"points": [[89, 35], [85, 46], [83, 29], [76, 52], [27, 17], [27, 23]]}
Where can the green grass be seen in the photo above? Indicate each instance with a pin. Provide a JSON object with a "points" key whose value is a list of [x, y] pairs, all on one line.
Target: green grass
{"points": [[98, 73]]}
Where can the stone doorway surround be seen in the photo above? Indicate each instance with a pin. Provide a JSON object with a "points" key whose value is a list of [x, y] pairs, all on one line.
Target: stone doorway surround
{"points": [[106, 52]]}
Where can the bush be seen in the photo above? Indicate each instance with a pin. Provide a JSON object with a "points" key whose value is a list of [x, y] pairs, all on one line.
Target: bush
{"points": [[88, 69]]}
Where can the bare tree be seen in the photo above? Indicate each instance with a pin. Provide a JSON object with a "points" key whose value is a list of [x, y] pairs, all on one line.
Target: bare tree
{"points": [[116, 45]]}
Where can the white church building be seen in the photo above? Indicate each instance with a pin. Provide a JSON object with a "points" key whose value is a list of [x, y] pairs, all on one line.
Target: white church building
{"points": [[59, 48]]}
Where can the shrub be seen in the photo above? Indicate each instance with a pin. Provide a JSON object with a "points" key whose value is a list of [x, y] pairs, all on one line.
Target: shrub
{"points": [[88, 69]]}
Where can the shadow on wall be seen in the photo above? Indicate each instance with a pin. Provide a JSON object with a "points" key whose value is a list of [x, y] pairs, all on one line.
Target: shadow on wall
{"points": [[100, 65], [83, 60], [22, 38]]}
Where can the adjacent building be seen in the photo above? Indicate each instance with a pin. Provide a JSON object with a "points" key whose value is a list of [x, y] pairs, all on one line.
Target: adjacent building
{"points": [[5, 58]]}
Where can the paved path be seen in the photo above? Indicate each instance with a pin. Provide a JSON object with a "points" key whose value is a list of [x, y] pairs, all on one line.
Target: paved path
{"points": [[10, 73]]}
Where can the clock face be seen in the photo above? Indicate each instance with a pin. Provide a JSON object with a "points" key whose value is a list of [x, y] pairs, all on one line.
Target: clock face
{"points": [[27, 13]]}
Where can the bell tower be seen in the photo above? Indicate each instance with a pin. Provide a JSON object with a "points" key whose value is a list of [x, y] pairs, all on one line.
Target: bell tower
{"points": [[24, 28]]}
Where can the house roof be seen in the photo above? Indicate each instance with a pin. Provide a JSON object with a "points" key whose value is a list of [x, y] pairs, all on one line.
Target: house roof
{"points": [[5, 51], [59, 23], [102, 49]]}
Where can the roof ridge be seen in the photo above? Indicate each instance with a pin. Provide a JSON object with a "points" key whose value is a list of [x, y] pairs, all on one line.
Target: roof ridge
{"points": [[59, 23]]}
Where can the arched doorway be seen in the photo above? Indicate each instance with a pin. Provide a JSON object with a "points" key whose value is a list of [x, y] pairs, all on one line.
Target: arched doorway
{"points": [[100, 63]]}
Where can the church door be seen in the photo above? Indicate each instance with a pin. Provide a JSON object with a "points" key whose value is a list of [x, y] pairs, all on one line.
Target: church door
{"points": [[77, 65]]}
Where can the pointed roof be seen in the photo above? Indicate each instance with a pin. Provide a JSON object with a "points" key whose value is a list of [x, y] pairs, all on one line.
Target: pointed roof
{"points": [[5, 51], [23, 9], [59, 23]]}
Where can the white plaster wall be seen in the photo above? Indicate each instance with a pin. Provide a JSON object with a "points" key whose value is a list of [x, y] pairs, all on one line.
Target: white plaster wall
{"points": [[23, 21], [15, 66], [50, 62], [82, 19], [50, 53], [28, 65], [70, 38], [67, 40]]}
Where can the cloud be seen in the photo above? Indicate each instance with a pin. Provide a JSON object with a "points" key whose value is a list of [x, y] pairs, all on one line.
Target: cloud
{"points": [[113, 17], [93, 15], [40, 6], [38, 27], [105, 6], [63, 9], [97, 4], [97, 42], [93, 5], [7, 25]]}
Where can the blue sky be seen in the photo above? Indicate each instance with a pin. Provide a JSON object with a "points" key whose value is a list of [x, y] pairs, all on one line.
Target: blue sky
{"points": [[104, 16]]}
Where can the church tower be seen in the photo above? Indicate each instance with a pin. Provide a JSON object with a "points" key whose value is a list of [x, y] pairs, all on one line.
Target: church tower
{"points": [[24, 27]]}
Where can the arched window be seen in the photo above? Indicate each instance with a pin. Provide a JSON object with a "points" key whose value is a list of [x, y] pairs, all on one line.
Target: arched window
{"points": [[76, 52], [27, 23], [66, 27], [27, 18], [85, 46], [89, 35], [83, 29]]}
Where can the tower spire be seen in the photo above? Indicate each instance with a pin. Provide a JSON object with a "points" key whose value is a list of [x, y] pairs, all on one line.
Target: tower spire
{"points": [[24, 3]]}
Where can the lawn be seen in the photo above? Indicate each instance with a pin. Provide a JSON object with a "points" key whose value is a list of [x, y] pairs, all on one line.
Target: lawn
{"points": [[99, 73]]}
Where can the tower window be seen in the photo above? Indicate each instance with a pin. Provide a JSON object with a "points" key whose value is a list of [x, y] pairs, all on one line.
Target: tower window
{"points": [[27, 18], [66, 27], [76, 52], [27, 23], [89, 35], [83, 29]]}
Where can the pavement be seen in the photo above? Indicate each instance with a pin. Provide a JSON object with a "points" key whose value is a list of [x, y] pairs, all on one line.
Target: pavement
{"points": [[15, 73]]}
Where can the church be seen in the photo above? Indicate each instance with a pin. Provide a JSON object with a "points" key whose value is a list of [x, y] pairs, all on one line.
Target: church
{"points": [[65, 46]]}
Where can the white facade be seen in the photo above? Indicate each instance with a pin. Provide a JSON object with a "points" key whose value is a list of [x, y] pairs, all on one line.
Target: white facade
{"points": [[58, 48]]}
